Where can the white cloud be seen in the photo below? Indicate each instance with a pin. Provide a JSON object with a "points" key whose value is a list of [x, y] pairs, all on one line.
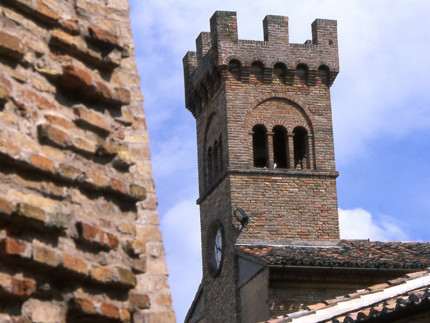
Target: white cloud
{"points": [[173, 155], [359, 224], [181, 232]]}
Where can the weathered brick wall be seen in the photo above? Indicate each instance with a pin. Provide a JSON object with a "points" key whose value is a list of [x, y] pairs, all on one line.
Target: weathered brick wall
{"points": [[79, 236]]}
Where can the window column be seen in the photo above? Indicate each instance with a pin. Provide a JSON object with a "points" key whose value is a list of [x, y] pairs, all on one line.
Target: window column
{"points": [[310, 152], [270, 163], [290, 150]]}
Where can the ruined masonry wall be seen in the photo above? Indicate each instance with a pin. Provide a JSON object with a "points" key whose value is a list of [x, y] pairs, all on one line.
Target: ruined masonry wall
{"points": [[79, 236]]}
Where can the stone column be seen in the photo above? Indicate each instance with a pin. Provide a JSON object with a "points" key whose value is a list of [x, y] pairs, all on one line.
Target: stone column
{"points": [[291, 150], [309, 152], [270, 156]]}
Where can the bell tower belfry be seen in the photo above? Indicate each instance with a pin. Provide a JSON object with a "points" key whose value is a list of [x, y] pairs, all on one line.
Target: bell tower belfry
{"points": [[265, 145]]}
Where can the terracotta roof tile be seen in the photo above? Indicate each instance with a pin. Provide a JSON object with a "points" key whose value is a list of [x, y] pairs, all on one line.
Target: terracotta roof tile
{"points": [[415, 291], [348, 253]]}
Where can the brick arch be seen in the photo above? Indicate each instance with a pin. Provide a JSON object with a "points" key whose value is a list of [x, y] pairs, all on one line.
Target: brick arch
{"points": [[229, 58], [302, 107], [259, 59]]}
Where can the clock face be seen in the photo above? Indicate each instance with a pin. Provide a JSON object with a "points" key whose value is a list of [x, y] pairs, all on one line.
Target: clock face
{"points": [[215, 248], [218, 248]]}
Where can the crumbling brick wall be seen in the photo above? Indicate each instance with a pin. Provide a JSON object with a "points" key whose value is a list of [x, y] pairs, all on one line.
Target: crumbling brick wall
{"points": [[79, 236]]}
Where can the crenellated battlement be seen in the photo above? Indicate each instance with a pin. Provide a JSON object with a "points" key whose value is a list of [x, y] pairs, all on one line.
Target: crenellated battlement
{"points": [[220, 51]]}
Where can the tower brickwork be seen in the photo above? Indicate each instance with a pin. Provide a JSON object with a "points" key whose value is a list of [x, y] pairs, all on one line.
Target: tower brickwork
{"points": [[265, 144], [79, 236]]}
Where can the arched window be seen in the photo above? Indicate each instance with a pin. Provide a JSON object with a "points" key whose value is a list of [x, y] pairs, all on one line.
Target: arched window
{"points": [[324, 74], [300, 148], [259, 145], [221, 163], [302, 74], [210, 169], [215, 161], [257, 70], [280, 72], [234, 68], [280, 148]]}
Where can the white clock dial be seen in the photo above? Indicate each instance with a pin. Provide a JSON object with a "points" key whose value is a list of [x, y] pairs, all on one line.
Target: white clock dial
{"points": [[218, 248]]}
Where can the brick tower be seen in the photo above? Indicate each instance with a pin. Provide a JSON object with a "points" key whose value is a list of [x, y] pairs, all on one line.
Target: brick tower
{"points": [[265, 145]]}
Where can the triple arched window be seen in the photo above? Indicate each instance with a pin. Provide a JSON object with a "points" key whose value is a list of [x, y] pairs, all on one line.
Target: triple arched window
{"points": [[289, 150], [214, 162]]}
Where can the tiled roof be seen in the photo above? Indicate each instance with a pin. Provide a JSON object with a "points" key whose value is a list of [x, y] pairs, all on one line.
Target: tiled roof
{"points": [[348, 253], [373, 302]]}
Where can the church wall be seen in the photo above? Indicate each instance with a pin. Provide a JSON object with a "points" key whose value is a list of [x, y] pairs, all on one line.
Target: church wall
{"points": [[79, 236], [254, 298]]}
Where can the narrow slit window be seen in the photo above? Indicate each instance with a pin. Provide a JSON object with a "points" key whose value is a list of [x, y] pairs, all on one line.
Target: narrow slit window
{"points": [[259, 144], [234, 68], [302, 74], [216, 161], [220, 156], [280, 148], [209, 169], [324, 74], [257, 70], [280, 72]]}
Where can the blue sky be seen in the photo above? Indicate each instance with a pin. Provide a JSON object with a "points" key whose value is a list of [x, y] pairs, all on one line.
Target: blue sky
{"points": [[381, 113]]}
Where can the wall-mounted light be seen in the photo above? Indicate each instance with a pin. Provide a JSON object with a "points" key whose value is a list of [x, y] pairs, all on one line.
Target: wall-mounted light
{"points": [[242, 217]]}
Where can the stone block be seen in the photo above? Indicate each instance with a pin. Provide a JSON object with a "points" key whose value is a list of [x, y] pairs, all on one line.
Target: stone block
{"points": [[45, 255], [63, 38], [83, 144], [124, 315], [98, 179], [11, 46], [77, 78], [13, 247], [117, 185], [109, 310], [53, 135], [42, 163], [45, 311], [23, 287], [6, 207], [137, 191], [59, 121], [39, 101], [70, 25], [58, 221], [123, 96], [92, 119], [5, 89], [136, 247], [124, 276], [103, 36], [84, 305], [47, 10], [101, 274], [75, 264], [95, 235], [141, 301], [31, 212], [68, 171]]}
